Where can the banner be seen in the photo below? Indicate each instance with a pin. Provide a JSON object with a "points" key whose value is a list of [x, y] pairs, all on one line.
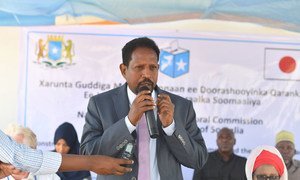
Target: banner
{"points": [[246, 83]]}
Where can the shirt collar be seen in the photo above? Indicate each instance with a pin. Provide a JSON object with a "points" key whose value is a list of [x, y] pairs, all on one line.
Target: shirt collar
{"points": [[131, 95], [221, 158]]}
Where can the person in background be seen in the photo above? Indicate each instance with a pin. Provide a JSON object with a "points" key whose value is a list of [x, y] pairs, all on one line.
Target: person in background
{"points": [[285, 143], [115, 119], [265, 163], [26, 136], [22, 135], [223, 164], [66, 142], [12, 161]]}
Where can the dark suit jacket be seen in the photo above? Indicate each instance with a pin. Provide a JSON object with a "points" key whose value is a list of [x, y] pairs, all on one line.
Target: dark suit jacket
{"points": [[106, 133]]}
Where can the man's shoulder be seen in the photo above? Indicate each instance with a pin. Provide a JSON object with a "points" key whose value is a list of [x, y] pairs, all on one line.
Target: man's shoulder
{"points": [[107, 93], [216, 153], [213, 154], [240, 158]]}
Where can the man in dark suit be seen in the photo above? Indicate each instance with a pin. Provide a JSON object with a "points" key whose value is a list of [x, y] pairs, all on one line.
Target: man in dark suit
{"points": [[114, 116], [223, 164]]}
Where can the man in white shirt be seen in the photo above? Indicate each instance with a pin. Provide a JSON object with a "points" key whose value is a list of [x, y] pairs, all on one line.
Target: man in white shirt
{"points": [[23, 158]]}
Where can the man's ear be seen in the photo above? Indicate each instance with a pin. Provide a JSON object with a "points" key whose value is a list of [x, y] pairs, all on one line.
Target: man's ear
{"points": [[123, 69]]}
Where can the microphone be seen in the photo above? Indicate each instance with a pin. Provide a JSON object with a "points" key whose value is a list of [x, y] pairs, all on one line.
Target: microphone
{"points": [[150, 119]]}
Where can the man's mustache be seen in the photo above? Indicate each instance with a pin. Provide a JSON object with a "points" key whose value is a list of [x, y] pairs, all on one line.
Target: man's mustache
{"points": [[146, 81]]}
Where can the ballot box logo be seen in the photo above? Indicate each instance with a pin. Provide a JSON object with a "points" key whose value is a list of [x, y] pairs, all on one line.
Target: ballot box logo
{"points": [[174, 60], [282, 64], [54, 52]]}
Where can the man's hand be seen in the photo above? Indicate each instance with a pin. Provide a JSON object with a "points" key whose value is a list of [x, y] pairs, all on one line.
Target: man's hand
{"points": [[110, 166], [142, 103], [8, 169], [165, 109], [20, 175], [97, 163]]}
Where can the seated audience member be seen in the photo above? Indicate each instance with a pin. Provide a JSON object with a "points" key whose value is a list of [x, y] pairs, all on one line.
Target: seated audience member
{"points": [[66, 142], [24, 135], [285, 143], [223, 164], [265, 163]]}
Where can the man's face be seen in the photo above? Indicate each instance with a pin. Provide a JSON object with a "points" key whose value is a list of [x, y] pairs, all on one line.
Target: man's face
{"points": [[19, 138], [287, 150], [142, 69], [225, 141]]}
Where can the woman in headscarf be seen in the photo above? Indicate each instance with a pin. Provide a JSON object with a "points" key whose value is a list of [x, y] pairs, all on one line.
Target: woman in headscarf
{"points": [[265, 163], [66, 142]]}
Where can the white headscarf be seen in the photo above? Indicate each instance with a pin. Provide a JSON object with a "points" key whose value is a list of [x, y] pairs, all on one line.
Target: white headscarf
{"points": [[253, 155]]}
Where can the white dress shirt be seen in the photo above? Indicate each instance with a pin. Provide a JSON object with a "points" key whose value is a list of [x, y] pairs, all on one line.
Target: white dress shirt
{"points": [[168, 130], [27, 159]]}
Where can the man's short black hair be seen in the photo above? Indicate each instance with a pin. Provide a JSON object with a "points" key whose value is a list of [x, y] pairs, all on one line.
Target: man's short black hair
{"points": [[136, 43]]}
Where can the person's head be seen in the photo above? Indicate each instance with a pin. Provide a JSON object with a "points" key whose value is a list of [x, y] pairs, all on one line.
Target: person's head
{"points": [[22, 135], [225, 140], [66, 140], [265, 162], [285, 145], [140, 63]]}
